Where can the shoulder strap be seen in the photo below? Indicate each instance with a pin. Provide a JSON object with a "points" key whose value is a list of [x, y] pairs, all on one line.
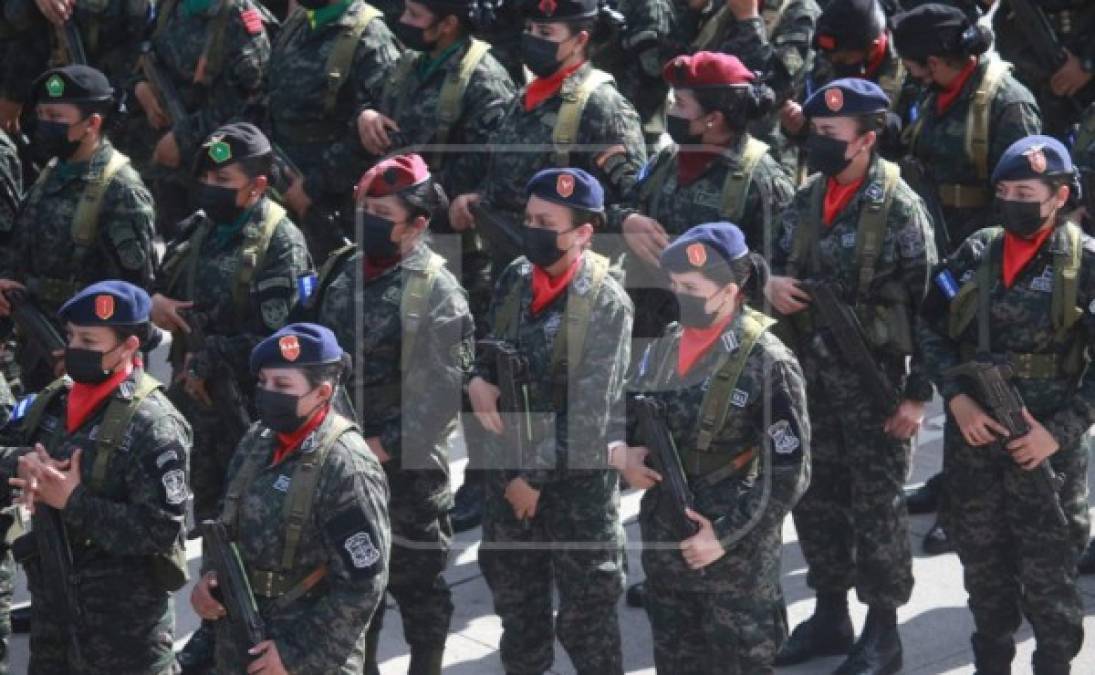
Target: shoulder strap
{"points": [[773, 15], [38, 406], [506, 319], [85, 223], [711, 30], [164, 10], [297, 509], [803, 260], [987, 272], [394, 88], [451, 99], [892, 83], [330, 269], [233, 493], [571, 340], [569, 117], [253, 255], [212, 57], [978, 118], [714, 408], [1066, 273], [119, 414], [871, 230], [341, 58], [737, 181], [414, 305]]}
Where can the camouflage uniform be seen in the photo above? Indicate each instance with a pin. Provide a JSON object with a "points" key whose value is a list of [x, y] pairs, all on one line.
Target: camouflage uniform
{"points": [[579, 493], [1019, 561], [677, 208], [731, 617], [11, 182], [852, 521], [115, 530], [44, 255], [940, 143], [232, 330], [232, 83], [322, 632], [414, 430], [325, 145], [1083, 155], [7, 520]]}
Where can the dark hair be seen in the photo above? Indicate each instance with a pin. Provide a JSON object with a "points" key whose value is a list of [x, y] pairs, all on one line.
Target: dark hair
{"points": [[1075, 190], [873, 122], [600, 27], [146, 333], [580, 217], [325, 373], [102, 108], [427, 199], [738, 105], [750, 272], [259, 165]]}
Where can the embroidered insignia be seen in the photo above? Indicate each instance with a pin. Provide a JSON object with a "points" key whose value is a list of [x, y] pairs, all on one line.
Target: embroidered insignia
{"points": [[363, 553], [174, 485], [104, 306], [834, 99], [697, 254], [564, 185], [289, 347], [783, 437]]}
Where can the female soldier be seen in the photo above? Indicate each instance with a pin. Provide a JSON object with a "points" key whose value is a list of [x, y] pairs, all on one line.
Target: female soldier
{"points": [[713, 596], [319, 574], [109, 458], [551, 514], [714, 169], [1022, 297]]}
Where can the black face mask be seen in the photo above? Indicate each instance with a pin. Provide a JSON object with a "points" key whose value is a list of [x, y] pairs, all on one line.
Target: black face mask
{"points": [[1022, 219], [313, 4], [540, 55], [85, 366], [542, 246], [278, 410], [219, 203], [693, 311], [51, 140], [826, 154], [413, 37], [376, 236], [678, 128]]}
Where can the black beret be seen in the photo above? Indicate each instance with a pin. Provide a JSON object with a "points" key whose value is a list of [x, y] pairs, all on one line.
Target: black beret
{"points": [[570, 187], [707, 248], [561, 10], [1033, 157], [232, 143], [108, 303], [933, 29], [296, 345], [847, 97], [73, 84], [849, 24]]}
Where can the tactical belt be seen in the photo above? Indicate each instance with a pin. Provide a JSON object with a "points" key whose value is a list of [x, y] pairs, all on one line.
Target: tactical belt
{"points": [[1025, 366], [710, 468], [282, 587], [956, 196]]}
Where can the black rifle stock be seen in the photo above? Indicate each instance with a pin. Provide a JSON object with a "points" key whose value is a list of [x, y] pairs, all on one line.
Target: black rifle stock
{"points": [[992, 388], [223, 388], [42, 339], [69, 35], [512, 371], [505, 240], [233, 585], [664, 459], [1044, 54]]}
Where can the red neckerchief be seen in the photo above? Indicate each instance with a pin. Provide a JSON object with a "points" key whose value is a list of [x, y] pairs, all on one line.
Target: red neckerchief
{"points": [[692, 163], [543, 88], [946, 98], [695, 342], [837, 197], [85, 399], [374, 267], [1018, 253], [545, 289], [287, 443], [877, 55]]}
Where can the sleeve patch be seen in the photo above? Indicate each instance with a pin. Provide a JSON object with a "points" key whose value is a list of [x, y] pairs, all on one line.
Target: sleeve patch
{"points": [[353, 535], [252, 21]]}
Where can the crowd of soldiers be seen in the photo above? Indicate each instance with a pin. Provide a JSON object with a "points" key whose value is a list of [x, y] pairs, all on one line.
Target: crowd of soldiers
{"points": [[721, 252]]}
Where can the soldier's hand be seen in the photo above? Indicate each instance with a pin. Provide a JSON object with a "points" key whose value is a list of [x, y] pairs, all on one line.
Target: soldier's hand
{"points": [[704, 547], [460, 216], [786, 295], [5, 286], [1031, 450], [1069, 78], [56, 12], [976, 426], [297, 198], [202, 600], [268, 661], [372, 128], [165, 313], [744, 9], [150, 103], [10, 112], [631, 463], [906, 421], [194, 387], [57, 481], [791, 117], [484, 402], [167, 152], [645, 237], [29, 469], [377, 449], [523, 498]]}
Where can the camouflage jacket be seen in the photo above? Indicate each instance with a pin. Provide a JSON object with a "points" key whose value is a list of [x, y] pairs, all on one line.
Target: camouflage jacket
{"points": [[11, 182], [767, 414], [323, 632], [413, 429], [211, 283], [1021, 322], [225, 94], [592, 414], [42, 244], [901, 275], [325, 146], [890, 76], [414, 104]]}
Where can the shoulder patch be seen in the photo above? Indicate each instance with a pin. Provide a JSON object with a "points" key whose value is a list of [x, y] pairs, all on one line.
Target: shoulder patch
{"points": [[23, 406], [784, 440], [739, 398], [252, 21]]}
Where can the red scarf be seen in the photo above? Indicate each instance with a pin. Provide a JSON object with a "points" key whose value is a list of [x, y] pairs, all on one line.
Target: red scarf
{"points": [[878, 55], [374, 267], [695, 342], [946, 98], [543, 88], [692, 164], [85, 399], [287, 443], [545, 289], [1018, 253], [837, 197]]}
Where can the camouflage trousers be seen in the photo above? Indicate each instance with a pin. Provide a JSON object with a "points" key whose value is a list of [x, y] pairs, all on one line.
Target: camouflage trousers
{"points": [[852, 522], [523, 563], [1018, 560], [702, 633], [7, 580]]}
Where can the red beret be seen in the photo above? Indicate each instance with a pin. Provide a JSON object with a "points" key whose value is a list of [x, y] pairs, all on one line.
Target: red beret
{"points": [[706, 70], [392, 175]]}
